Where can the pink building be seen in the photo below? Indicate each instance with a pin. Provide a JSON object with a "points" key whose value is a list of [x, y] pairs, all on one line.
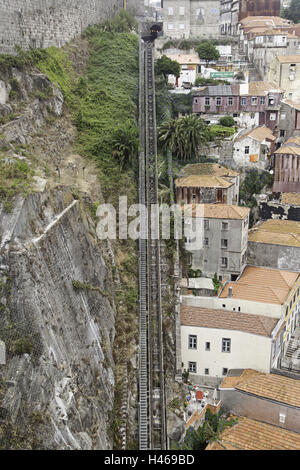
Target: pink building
{"points": [[261, 98]]}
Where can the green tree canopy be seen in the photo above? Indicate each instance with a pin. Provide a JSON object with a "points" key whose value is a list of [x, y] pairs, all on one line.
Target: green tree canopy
{"points": [[184, 136], [227, 121], [166, 66], [210, 431], [207, 51], [292, 12]]}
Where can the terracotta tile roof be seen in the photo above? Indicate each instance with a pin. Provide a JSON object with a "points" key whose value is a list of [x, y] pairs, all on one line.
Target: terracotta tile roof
{"points": [[249, 434], [204, 181], [291, 198], [263, 88], [287, 59], [232, 381], [271, 386], [228, 320], [213, 169], [290, 147], [216, 211], [276, 232], [262, 285], [259, 133], [185, 59], [276, 32], [263, 20]]}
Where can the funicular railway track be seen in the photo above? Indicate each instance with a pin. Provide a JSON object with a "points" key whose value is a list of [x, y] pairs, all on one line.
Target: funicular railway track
{"points": [[152, 409]]}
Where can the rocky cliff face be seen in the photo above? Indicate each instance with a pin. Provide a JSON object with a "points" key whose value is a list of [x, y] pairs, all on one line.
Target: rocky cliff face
{"points": [[58, 323], [57, 296]]}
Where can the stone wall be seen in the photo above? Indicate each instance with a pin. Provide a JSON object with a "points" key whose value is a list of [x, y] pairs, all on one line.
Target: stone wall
{"points": [[44, 23]]}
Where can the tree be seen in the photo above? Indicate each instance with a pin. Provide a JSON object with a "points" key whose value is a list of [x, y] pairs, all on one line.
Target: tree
{"points": [[292, 12], [208, 52], [227, 121], [166, 66], [210, 431], [126, 144], [184, 136]]}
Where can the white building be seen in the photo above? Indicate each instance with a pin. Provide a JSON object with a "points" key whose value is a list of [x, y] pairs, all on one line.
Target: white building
{"points": [[253, 148], [215, 341]]}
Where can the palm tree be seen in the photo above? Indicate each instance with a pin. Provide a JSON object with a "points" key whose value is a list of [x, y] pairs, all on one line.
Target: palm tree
{"points": [[184, 136]]}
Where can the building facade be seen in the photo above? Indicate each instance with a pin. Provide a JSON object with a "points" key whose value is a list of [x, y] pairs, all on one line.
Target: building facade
{"points": [[275, 244], [284, 71], [259, 101], [254, 148], [270, 398], [191, 18], [223, 246], [259, 8], [287, 167], [212, 341]]}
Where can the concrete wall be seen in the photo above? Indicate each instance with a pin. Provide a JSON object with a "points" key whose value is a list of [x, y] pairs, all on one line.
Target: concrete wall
{"points": [[274, 256], [237, 305], [261, 409], [247, 351], [44, 23]]}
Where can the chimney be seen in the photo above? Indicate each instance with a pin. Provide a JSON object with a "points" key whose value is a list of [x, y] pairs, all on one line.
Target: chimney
{"points": [[230, 292]]}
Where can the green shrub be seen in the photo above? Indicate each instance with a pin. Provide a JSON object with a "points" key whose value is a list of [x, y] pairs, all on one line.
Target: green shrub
{"points": [[227, 121]]}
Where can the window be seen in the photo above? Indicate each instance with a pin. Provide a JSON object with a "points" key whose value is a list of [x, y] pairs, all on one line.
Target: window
{"points": [[282, 133], [262, 100], [207, 101], [181, 26], [225, 371], [224, 243], [271, 101], [218, 101], [282, 417], [206, 224], [254, 100], [193, 367], [247, 150], [224, 225], [205, 241], [252, 115], [273, 117], [226, 345], [170, 26], [206, 371], [170, 11], [230, 101], [243, 101], [282, 115], [207, 346], [192, 342], [224, 262], [181, 10]]}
